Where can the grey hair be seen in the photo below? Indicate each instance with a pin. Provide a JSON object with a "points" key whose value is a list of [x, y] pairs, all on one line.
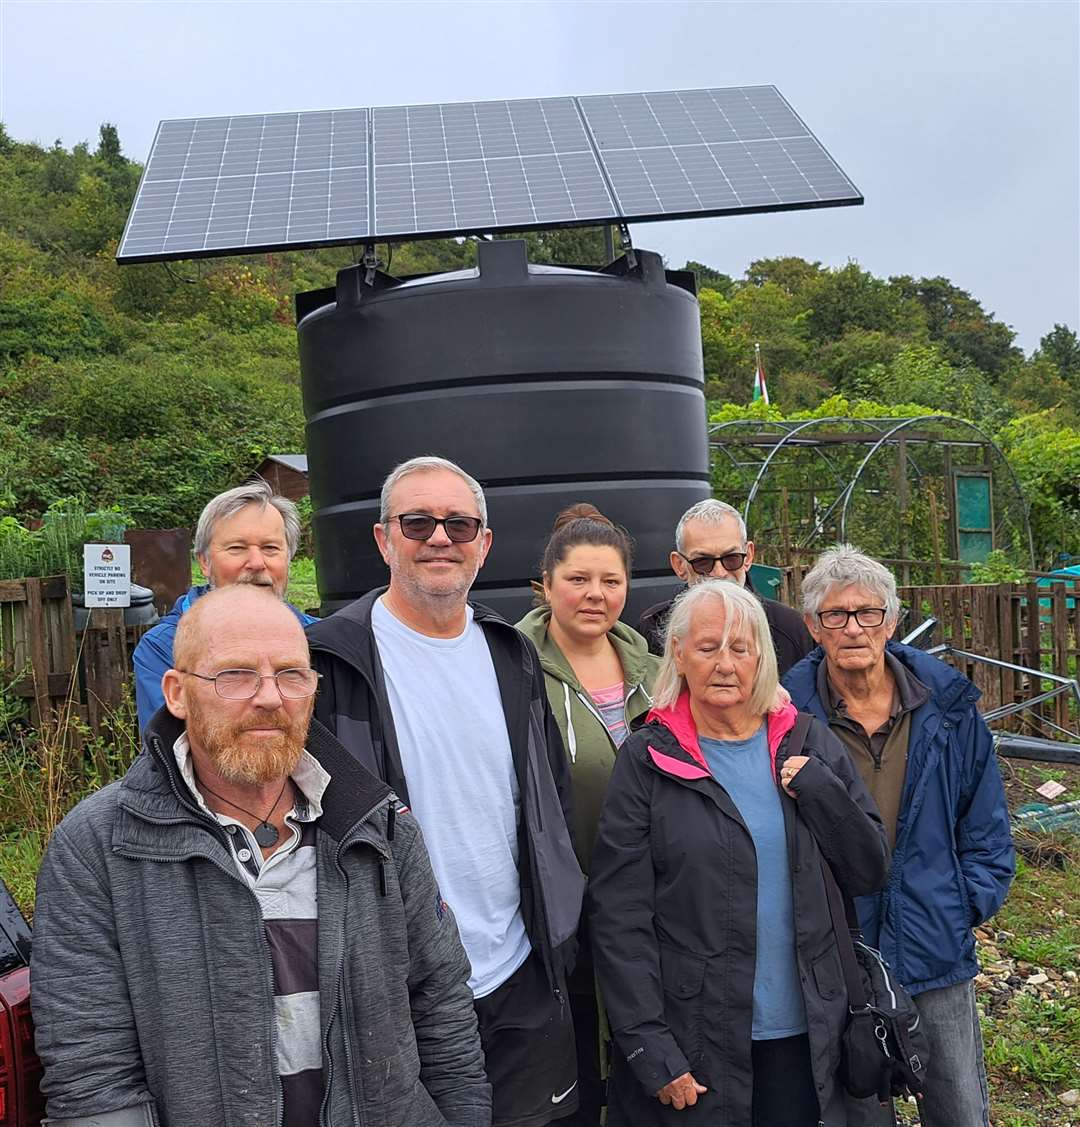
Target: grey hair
{"points": [[257, 491], [742, 609], [845, 566], [709, 511], [425, 464]]}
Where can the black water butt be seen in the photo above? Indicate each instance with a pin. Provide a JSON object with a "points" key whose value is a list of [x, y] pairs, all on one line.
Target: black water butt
{"points": [[550, 385]]}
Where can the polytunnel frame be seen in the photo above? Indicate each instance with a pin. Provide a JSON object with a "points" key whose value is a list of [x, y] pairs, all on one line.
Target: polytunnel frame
{"points": [[885, 434]]}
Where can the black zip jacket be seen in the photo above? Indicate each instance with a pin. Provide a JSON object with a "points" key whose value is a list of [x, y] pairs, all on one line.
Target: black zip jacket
{"points": [[672, 908], [354, 705]]}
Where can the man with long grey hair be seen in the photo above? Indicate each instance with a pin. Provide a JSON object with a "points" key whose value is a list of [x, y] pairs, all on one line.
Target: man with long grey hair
{"points": [[446, 702], [244, 535], [912, 728], [711, 543]]}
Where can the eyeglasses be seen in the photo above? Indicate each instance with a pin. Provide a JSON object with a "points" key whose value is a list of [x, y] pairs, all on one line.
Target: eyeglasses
{"points": [[864, 616], [243, 684], [703, 565], [421, 526]]}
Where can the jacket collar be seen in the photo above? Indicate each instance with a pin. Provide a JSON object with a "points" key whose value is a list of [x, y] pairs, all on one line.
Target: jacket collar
{"points": [[950, 690], [348, 634], [631, 647], [679, 721], [155, 787]]}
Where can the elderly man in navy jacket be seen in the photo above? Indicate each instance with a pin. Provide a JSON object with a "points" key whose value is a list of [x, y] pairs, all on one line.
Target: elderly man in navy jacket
{"points": [[927, 758]]}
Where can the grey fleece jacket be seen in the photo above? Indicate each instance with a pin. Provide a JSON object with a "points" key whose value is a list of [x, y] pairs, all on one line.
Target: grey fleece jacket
{"points": [[152, 993]]}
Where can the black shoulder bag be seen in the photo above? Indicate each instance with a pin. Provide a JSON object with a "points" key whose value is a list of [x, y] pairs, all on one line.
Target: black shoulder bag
{"points": [[884, 1050]]}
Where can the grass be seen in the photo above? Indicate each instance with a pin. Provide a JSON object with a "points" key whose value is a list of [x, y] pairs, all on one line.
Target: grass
{"points": [[1033, 1043]]}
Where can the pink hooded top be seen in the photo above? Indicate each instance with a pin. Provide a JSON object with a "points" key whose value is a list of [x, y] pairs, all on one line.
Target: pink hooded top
{"points": [[679, 720]]}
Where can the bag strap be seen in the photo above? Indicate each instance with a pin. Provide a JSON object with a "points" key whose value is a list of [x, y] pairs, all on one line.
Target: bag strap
{"points": [[844, 945], [841, 910]]}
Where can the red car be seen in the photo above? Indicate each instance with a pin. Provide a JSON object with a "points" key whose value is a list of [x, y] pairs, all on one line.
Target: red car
{"points": [[21, 1102]]}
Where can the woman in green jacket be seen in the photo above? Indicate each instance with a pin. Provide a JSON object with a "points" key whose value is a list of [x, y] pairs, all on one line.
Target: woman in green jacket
{"points": [[599, 676]]}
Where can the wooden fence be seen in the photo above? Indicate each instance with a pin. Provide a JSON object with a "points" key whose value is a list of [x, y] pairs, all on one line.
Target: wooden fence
{"points": [[58, 671]]}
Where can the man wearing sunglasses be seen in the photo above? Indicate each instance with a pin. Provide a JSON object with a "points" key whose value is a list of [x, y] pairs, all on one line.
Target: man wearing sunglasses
{"points": [[246, 928], [711, 543], [912, 728], [446, 702]]}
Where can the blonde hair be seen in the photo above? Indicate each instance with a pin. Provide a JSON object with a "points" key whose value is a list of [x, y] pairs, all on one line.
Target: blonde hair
{"points": [[742, 612]]}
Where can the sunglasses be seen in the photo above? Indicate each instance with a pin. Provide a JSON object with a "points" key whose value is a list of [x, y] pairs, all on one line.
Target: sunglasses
{"points": [[729, 561], [421, 526]]}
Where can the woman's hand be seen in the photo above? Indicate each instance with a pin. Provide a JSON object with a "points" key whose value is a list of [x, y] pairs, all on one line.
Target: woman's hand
{"points": [[682, 1092], [789, 770]]}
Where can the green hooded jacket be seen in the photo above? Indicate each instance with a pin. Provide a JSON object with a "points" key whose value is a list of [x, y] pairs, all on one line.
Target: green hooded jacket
{"points": [[585, 737]]}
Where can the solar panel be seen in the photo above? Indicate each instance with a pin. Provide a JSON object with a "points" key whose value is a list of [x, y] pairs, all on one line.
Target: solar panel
{"points": [[235, 185]]}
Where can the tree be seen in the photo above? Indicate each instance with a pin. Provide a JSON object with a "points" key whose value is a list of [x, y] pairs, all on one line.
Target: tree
{"points": [[108, 148], [790, 273], [1061, 346], [852, 298], [967, 333], [708, 278]]}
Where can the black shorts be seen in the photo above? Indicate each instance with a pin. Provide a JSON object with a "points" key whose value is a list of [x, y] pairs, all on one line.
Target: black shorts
{"points": [[528, 1039]]}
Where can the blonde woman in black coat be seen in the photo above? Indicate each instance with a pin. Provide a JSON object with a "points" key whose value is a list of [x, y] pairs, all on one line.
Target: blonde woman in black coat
{"points": [[711, 931]]}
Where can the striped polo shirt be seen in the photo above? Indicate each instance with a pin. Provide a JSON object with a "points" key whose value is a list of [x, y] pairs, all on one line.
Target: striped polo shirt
{"points": [[284, 885]]}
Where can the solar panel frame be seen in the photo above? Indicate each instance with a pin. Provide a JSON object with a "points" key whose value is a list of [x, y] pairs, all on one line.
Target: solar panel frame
{"points": [[257, 183]]}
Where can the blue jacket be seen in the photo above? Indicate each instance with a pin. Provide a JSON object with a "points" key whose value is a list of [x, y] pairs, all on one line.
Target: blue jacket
{"points": [[954, 857], [153, 654]]}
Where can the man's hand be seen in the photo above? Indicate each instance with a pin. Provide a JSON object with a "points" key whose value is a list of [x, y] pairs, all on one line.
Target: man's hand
{"points": [[789, 770], [682, 1092]]}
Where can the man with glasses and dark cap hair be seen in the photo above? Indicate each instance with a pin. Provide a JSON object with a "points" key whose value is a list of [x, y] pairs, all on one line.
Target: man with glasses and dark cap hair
{"points": [[446, 702], [711, 543], [911, 726], [246, 928]]}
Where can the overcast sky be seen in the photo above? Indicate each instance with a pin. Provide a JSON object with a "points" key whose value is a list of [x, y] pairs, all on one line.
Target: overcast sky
{"points": [[960, 122]]}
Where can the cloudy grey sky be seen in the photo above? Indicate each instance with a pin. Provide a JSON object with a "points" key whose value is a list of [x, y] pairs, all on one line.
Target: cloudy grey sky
{"points": [[960, 122]]}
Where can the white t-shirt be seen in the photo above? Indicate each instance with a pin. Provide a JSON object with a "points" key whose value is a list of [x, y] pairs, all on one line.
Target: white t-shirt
{"points": [[455, 751]]}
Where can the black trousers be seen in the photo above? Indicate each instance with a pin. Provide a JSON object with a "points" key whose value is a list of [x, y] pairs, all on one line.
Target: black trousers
{"points": [[784, 1093], [528, 1041]]}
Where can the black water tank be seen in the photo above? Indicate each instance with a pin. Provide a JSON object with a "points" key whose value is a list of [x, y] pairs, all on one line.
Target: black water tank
{"points": [[550, 385]]}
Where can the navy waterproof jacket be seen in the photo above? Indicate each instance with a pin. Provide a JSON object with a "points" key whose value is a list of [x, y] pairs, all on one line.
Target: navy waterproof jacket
{"points": [[954, 857]]}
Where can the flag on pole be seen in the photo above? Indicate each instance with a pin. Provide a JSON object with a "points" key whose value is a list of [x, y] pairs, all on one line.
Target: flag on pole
{"points": [[761, 391]]}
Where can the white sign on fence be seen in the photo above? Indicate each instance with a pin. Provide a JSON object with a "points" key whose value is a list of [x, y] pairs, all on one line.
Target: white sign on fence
{"points": [[107, 575]]}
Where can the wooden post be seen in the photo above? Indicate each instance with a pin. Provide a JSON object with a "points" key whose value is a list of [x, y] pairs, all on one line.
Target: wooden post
{"points": [[785, 526], [1060, 662], [104, 663], [935, 535], [902, 508]]}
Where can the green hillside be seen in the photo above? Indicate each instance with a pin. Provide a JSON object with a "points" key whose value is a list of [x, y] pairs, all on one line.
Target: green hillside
{"points": [[152, 387]]}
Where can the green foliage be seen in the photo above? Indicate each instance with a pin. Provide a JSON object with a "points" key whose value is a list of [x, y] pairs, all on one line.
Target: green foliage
{"points": [[152, 387], [1062, 348], [997, 568]]}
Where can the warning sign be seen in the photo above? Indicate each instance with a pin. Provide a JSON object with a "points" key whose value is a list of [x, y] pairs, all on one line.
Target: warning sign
{"points": [[106, 575]]}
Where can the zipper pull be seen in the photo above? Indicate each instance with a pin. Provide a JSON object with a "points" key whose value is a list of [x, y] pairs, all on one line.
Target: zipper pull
{"points": [[382, 877]]}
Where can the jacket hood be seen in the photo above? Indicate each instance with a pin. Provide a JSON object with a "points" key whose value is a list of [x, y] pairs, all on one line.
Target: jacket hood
{"points": [[679, 720], [952, 691], [632, 648]]}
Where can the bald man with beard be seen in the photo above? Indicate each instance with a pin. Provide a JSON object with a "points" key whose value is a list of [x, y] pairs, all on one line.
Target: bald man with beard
{"points": [[245, 928]]}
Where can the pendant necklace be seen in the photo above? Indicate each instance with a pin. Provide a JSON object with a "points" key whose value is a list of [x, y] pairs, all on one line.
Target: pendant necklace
{"points": [[265, 832]]}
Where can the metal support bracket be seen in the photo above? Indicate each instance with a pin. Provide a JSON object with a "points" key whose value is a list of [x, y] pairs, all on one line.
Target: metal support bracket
{"points": [[627, 246], [371, 264]]}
